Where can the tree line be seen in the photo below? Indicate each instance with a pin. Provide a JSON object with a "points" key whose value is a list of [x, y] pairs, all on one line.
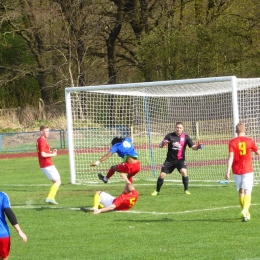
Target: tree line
{"points": [[47, 45]]}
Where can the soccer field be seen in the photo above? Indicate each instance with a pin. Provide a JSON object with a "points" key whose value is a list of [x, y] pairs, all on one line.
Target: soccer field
{"points": [[203, 225]]}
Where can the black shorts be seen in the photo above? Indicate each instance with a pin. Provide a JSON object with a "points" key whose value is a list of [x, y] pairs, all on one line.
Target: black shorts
{"points": [[169, 166]]}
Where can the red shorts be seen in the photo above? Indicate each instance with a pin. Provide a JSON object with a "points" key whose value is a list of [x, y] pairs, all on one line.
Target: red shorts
{"points": [[5, 244], [130, 168]]}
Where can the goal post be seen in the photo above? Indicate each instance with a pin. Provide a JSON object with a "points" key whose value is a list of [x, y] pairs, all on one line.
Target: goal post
{"points": [[208, 107]]}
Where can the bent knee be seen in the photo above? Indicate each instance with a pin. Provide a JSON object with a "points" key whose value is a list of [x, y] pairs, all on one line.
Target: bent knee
{"points": [[162, 175]]}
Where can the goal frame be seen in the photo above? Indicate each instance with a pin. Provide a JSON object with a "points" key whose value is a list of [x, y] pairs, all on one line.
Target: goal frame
{"points": [[69, 90]]}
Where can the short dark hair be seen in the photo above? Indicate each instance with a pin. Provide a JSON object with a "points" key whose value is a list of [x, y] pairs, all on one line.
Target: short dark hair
{"points": [[117, 140]]}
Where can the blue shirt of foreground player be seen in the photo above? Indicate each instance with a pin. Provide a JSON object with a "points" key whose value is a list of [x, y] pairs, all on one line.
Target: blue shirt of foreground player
{"points": [[124, 149], [4, 203]]}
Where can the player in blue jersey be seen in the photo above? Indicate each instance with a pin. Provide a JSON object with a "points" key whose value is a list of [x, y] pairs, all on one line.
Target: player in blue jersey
{"points": [[130, 165], [5, 241]]}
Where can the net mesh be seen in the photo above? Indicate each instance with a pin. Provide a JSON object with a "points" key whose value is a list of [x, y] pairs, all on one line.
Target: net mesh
{"points": [[148, 113]]}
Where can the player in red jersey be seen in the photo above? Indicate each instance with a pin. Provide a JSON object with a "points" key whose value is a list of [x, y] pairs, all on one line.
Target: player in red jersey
{"points": [[240, 160], [46, 164], [104, 202]]}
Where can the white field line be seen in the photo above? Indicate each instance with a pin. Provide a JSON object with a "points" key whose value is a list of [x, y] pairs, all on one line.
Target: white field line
{"points": [[133, 211], [113, 184]]}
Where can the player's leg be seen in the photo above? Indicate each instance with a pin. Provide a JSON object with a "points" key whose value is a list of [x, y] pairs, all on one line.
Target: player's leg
{"points": [[167, 168], [5, 245], [182, 168], [53, 175], [247, 186], [109, 174], [130, 169], [99, 201]]}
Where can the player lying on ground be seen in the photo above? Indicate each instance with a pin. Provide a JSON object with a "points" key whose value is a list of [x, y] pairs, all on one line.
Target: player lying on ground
{"points": [[130, 165], [104, 202]]}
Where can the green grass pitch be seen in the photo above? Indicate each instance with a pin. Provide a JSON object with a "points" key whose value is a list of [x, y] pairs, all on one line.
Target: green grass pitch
{"points": [[203, 225]]}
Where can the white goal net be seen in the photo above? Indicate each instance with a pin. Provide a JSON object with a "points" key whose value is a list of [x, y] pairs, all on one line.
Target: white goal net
{"points": [[209, 109]]}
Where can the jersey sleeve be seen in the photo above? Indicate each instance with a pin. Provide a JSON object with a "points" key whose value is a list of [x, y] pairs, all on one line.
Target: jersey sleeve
{"points": [[189, 142], [254, 147], [167, 137], [6, 201], [114, 148], [40, 145]]}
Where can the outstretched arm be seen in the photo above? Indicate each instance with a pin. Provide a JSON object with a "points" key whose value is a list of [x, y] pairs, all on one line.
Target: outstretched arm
{"points": [[106, 209], [103, 158]]}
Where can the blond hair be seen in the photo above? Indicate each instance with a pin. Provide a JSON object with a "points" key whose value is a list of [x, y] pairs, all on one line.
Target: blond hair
{"points": [[240, 128]]}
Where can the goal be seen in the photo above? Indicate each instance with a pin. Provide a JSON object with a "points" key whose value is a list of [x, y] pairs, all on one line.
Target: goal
{"points": [[208, 107]]}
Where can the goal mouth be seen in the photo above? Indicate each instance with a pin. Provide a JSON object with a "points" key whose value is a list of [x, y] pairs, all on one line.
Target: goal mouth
{"points": [[209, 109]]}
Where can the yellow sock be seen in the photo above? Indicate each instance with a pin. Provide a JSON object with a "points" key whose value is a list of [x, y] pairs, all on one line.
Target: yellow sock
{"points": [[53, 191], [96, 200], [241, 201], [100, 206], [247, 202]]}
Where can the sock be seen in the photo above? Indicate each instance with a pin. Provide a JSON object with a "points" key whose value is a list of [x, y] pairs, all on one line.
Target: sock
{"points": [[159, 184], [185, 181], [53, 191], [241, 201], [100, 206], [109, 174], [247, 202], [96, 201]]}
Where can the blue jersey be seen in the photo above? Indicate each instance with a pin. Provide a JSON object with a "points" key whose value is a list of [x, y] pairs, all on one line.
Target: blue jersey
{"points": [[4, 203], [124, 149]]}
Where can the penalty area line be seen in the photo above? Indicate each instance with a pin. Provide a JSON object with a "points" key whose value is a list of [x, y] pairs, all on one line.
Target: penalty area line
{"points": [[132, 211], [181, 212]]}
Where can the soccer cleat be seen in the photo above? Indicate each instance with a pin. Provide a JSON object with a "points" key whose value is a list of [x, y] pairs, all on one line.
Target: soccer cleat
{"points": [[155, 193], [101, 177], [244, 216], [85, 209], [244, 219], [187, 192], [51, 201]]}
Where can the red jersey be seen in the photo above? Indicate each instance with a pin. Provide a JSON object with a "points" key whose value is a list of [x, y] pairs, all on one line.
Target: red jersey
{"points": [[126, 201], [242, 147], [43, 146]]}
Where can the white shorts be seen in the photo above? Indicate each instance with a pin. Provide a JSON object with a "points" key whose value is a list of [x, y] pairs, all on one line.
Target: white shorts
{"points": [[106, 199], [51, 173], [244, 181]]}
